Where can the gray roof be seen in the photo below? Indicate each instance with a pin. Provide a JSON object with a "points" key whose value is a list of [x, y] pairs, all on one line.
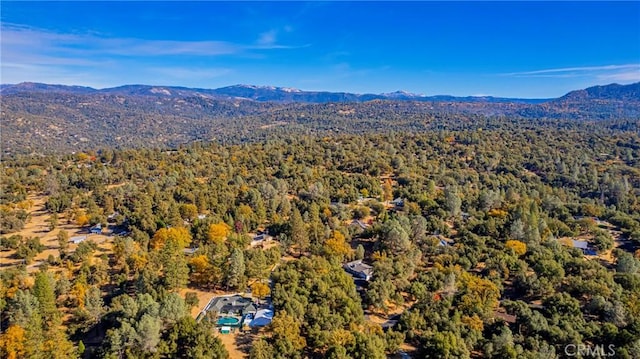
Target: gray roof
{"points": [[232, 304], [359, 267], [580, 244]]}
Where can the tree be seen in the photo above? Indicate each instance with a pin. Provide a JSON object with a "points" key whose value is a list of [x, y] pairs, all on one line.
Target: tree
{"points": [[53, 221], [178, 235], [172, 308], [446, 345], [148, 333], [44, 291], [452, 201], [188, 339], [387, 190], [174, 263], [259, 290], [359, 251], [235, 274], [188, 212], [93, 304], [298, 232], [12, 343], [218, 232], [63, 241], [519, 248], [191, 299], [261, 349], [337, 246], [287, 339], [626, 263]]}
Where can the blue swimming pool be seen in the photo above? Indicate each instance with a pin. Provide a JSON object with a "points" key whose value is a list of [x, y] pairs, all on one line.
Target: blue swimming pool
{"points": [[228, 321]]}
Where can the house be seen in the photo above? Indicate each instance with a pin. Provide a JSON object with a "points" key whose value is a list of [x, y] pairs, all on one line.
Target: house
{"points": [[358, 224], [502, 315], [584, 246], [260, 237], [262, 318], [77, 239], [398, 202], [97, 229], [190, 251], [232, 305], [359, 270]]}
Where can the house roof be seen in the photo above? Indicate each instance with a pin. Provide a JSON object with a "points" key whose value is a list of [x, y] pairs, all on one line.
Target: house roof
{"points": [[77, 239], [359, 267], [262, 318], [580, 244], [231, 304], [505, 316], [359, 223], [189, 250]]}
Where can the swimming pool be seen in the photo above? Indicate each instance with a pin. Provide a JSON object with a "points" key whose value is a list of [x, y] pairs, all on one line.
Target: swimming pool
{"points": [[228, 321]]}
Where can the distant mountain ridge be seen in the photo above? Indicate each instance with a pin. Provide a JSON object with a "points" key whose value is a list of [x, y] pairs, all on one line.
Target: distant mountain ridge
{"points": [[51, 118], [256, 93]]}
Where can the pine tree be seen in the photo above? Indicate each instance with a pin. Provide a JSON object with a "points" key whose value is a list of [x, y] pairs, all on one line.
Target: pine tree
{"points": [[299, 235]]}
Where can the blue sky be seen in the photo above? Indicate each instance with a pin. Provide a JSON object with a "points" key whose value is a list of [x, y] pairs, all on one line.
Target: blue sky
{"points": [[510, 49]]}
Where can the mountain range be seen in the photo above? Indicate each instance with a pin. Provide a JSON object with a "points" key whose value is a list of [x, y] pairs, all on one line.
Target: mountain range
{"points": [[255, 93], [42, 118]]}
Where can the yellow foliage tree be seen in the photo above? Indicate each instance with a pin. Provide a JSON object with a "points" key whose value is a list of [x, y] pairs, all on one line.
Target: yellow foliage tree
{"points": [[341, 337], [259, 290], [188, 212], [481, 295], [337, 245], [218, 232], [179, 235], [500, 213], [82, 219], [200, 266], [387, 190], [518, 247], [474, 323], [79, 291], [12, 343]]}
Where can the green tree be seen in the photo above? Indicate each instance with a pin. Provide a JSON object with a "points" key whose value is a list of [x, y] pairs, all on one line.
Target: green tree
{"points": [[235, 275], [298, 232], [188, 339]]}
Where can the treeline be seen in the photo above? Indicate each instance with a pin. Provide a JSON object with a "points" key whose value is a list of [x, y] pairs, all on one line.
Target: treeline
{"points": [[501, 197]]}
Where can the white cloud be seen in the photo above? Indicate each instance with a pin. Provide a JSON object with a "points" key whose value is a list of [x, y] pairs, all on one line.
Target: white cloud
{"points": [[627, 76], [267, 38], [576, 69], [620, 73]]}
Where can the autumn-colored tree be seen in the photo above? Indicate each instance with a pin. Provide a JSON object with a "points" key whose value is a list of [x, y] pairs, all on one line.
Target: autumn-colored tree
{"points": [[337, 245], [288, 340], [200, 270], [82, 219], [179, 235], [259, 290], [218, 232], [480, 295], [79, 292], [519, 248], [188, 212], [12, 342], [387, 190]]}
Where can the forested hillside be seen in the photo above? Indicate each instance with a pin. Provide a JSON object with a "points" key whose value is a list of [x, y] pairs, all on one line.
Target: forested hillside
{"points": [[487, 237], [44, 118]]}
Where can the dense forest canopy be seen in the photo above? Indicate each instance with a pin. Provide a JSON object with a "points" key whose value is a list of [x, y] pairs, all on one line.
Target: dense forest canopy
{"points": [[476, 261]]}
